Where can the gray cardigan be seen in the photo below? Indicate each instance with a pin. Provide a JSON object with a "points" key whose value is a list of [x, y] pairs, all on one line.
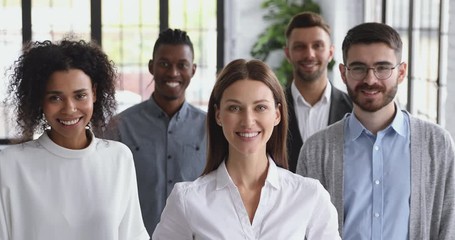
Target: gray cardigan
{"points": [[432, 209]]}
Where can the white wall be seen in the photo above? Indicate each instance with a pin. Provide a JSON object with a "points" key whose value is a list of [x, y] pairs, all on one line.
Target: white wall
{"points": [[243, 24]]}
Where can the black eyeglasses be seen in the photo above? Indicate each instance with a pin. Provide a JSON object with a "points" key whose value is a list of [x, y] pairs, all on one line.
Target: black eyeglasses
{"points": [[381, 72]]}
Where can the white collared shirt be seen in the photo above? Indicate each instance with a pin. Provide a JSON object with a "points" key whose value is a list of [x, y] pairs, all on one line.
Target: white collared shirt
{"points": [[290, 207], [311, 118]]}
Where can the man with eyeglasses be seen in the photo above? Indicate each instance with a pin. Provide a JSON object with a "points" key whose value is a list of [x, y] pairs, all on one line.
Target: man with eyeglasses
{"points": [[390, 175]]}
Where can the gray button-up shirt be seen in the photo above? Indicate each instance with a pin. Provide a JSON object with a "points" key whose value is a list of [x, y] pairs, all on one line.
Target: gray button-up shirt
{"points": [[166, 150]]}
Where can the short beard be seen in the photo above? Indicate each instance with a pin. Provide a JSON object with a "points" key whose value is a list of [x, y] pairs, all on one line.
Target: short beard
{"points": [[309, 78], [369, 106]]}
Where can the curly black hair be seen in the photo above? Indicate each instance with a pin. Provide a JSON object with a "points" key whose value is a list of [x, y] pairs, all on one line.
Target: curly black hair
{"points": [[39, 61]]}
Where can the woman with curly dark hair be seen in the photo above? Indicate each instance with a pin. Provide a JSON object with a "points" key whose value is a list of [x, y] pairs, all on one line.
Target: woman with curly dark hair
{"points": [[66, 184]]}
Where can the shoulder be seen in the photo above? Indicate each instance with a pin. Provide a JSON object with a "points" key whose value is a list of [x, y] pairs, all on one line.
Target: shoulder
{"points": [[199, 187], [296, 183], [426, 125], [19, 149], [16, 155], [425, 131], [112, 148], [135, 109], [332, 133], [196, 111]]}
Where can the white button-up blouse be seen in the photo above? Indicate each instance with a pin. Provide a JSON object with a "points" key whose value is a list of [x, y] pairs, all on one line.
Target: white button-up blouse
{"points": [[290, 207]]}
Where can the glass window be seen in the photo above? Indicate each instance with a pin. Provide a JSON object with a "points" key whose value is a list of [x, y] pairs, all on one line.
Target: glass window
{"points": [[10, 46], [54, 19], [198, 18], [423, 57], [129, 31]]}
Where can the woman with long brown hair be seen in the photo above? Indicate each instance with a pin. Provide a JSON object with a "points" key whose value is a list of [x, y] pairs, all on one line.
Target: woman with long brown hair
{"points": [[245, 191]]}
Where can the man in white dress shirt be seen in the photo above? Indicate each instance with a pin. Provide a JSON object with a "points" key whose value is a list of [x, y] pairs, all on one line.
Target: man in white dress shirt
{"points": [[313, 102]]}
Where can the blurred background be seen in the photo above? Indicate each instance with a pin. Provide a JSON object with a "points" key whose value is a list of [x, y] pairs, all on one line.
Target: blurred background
{"points": [[223, 30]]}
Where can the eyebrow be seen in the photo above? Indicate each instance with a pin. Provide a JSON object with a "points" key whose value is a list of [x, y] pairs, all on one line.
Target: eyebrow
{"points": [[238, 102], [374, 64], [306, 43], [60, 92], [169, 60]]}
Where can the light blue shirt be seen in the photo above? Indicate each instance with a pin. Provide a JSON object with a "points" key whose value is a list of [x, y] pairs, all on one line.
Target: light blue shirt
{"points": [[377, 181]]}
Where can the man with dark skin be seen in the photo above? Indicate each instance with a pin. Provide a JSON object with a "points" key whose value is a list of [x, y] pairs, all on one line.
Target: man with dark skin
{"points": [[165, 133]]}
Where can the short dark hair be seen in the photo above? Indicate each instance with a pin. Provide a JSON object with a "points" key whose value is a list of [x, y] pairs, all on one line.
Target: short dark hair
{"points": [[173, 37], [39, 61], [307, 20], [240, 69], [372, 32]]}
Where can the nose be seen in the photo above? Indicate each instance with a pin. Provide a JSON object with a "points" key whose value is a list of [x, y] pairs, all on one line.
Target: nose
{"points": [[174, 71], [70, 107], [248, 119], [309, 52], [370, 78]]}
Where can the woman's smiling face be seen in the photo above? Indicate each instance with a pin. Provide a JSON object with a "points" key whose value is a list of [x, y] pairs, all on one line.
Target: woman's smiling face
{"points": [[248, 115], [68, 107]]}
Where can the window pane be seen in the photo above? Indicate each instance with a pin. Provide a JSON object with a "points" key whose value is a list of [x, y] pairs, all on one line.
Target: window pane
{"points": [[130, 28], [198, 18], [424, 53], [54, 19], [10, 47]]}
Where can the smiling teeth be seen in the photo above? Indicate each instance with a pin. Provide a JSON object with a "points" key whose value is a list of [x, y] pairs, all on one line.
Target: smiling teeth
{"points": [[370, 92], [68, 123], [172, 84], [249, 135]]}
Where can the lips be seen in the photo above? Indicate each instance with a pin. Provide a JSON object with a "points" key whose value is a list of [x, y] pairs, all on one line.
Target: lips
{"points": [[248, 134], [369, 90], [308, 64], [69, 122], [172, 84]]}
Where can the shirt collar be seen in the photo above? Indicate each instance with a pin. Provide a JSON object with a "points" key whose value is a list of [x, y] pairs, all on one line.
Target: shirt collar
{"points": [[399, 122], [355, 127], [223, 179], [298, 97], [157, 111]]}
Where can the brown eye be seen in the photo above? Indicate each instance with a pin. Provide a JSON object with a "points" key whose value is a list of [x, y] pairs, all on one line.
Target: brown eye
{"points": [[234, 108]]}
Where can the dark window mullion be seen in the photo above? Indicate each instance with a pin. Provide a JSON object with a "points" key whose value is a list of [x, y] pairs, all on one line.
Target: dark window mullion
{"points": [[26, 21], [220, 35], [164, 15], [95, 21]]}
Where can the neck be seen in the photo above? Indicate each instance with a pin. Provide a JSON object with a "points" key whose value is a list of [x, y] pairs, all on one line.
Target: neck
{"points": [[79, 142], [247, 171], [170, 107], [376, 121], [312, 91]]}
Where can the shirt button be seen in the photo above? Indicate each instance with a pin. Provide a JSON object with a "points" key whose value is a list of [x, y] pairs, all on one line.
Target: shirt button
{"points": [[169, 157], [170, 132], [169, 181], [376, 148], [376, 214], [377, 182]]}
